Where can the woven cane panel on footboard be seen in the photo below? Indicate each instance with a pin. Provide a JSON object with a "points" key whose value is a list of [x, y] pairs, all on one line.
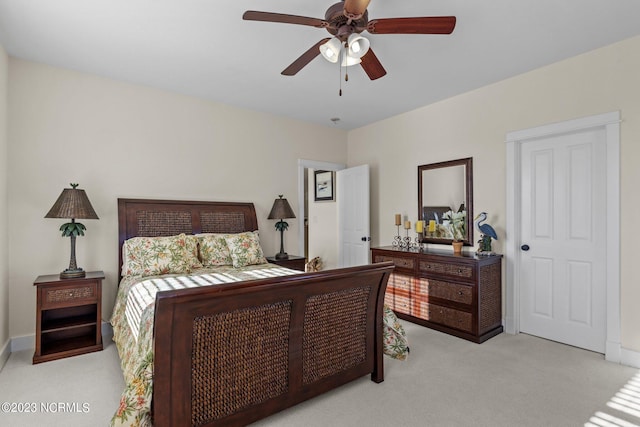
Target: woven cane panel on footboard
{"points": [[239, 359], [338, 317]]}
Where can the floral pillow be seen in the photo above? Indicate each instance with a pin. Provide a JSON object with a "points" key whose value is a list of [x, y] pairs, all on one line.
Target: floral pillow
{"points": [[245, 249], [149, 256], [214, 250]]}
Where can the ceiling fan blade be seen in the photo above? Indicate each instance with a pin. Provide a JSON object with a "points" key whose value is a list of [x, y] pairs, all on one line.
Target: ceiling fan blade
{"points": [[355, 8], [304, 59], [252, 15], [372, 66], [418, 25]]}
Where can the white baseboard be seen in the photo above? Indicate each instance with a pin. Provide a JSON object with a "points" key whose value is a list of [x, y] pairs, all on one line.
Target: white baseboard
{"points": [[107, 332], [28, 342], [4, 353], [614, 352], [630, 358], [25, 342]]}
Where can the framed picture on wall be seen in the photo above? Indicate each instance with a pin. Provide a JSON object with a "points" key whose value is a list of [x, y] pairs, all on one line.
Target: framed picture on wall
{"points": [[323, 185]]}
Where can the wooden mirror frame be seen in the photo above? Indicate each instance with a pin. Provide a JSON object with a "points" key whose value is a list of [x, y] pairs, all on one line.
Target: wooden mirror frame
{"points": [[468, 165]]}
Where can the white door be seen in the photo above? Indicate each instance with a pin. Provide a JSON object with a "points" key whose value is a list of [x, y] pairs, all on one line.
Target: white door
{"points": [[563, 236], [352, 196]]}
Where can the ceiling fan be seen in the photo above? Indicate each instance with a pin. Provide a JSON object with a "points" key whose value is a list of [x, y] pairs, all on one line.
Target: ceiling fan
{"points": [[345, 21]]}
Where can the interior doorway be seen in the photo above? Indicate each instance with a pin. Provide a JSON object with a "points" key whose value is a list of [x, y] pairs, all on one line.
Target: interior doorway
{"points": [[608, 125], [303, 196]]}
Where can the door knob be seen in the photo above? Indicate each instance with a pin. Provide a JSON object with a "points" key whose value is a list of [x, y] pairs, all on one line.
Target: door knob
{"points": [[524, 247]]}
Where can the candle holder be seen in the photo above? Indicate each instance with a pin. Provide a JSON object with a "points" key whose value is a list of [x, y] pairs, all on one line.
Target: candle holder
{"points": [[406, 241], [397, 240]]}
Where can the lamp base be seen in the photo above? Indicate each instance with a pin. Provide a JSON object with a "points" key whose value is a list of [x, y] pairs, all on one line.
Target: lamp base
{"points": [[72, 274], [282, 255]]}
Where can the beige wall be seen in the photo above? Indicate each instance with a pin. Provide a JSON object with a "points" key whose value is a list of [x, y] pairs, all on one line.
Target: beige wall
{"points": [[121, 140], [476, 123], [4, 247]]}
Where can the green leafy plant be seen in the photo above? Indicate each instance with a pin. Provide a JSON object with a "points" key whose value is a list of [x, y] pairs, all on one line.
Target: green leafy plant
{"points": [[457, 224]]}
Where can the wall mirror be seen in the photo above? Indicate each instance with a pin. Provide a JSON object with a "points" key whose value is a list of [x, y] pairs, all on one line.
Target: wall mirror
{"points": [[446, 188]]}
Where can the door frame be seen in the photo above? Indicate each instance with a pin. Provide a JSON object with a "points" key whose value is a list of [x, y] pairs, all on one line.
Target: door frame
{"points": [[303, 165], [611, 124]]}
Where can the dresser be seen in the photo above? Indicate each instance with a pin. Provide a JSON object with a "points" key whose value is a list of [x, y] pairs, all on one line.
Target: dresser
{"points": [[457, 294]]}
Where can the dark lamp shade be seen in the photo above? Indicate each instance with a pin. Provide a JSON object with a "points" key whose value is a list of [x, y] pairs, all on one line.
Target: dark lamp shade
{"points": [[73, 203], [281, 209]]}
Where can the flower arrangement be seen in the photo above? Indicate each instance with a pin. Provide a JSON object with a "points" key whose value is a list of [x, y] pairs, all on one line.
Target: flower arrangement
{"points": [[456, 224]]}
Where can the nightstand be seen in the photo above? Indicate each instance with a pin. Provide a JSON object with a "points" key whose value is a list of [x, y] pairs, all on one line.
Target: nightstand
{"points": [[294, 262], [68, 316]]}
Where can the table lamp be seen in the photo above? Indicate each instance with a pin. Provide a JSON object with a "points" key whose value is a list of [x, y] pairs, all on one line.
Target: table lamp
{"points": [[72, 203], [281, 210]]}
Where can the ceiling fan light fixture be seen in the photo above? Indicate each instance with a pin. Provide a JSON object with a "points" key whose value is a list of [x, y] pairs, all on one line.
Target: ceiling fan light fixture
{"points": [[348, 61], [331, 50], [358, 46]]}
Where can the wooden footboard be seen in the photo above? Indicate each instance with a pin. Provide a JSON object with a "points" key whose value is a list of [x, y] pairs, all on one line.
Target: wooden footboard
{"points": [[235, 353]]}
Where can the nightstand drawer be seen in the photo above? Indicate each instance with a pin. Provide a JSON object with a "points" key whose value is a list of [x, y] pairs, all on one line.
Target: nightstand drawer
{"points": [[59, 296]]}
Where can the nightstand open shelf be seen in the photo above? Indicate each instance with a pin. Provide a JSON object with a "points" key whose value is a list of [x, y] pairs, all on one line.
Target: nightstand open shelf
{"points": [[68, 316], [83, 343]]}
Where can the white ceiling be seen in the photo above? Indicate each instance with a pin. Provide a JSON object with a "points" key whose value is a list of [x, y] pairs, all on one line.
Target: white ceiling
{"points": [[204, 48]]}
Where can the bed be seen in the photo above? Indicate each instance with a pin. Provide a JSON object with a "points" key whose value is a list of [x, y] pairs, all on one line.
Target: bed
{"points": [[231, 344]]}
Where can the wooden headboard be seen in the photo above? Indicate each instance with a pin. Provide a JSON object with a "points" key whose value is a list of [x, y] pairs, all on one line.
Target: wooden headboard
{"points": [[152, 218]]}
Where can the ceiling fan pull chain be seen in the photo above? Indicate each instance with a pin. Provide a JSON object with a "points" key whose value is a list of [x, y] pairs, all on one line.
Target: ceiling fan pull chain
{"points": [[346, 53], [340, 73]]}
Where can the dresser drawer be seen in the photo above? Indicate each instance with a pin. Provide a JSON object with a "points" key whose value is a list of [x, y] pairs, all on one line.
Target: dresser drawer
{"points": [[401, 262], [388, 298], [454, 270], [58, 296], [455, 292], [402, 304], [443, 315], [400, 282]]}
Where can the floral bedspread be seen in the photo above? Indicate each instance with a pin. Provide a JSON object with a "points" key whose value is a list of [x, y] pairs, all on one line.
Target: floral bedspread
{"points": [[132, 322]]}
